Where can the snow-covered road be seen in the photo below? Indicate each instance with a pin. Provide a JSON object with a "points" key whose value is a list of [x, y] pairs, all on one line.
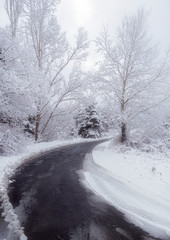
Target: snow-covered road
{"points": [[147, 210], [8, 166], [48, 197]]}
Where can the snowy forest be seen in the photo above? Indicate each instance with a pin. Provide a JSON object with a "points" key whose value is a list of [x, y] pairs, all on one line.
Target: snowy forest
{"points": [[46, 94]]}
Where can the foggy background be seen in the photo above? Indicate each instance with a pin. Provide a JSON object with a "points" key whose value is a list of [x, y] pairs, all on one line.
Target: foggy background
{"points": [[94, 14]]}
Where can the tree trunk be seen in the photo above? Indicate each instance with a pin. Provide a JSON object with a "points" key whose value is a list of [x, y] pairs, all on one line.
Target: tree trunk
{"points": [[37, 126], [123, 132]]}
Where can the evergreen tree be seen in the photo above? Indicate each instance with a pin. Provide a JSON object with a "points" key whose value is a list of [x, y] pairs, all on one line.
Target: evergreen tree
{"points": [[88, 123]]}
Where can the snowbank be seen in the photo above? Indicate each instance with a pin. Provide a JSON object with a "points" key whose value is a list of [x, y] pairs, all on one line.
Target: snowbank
{"points": [[137, 183], [8, 166]]}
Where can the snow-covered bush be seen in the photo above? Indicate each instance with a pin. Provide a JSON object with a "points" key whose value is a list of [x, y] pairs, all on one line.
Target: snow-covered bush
{"points": [[12, 139], [154, 140]]}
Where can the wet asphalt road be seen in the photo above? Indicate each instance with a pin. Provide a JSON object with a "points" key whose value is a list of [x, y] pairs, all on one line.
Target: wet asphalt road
{"points": [[52, 203]]}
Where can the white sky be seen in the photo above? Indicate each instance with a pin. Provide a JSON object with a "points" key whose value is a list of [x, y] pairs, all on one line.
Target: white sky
{"points": [[93, 14]]}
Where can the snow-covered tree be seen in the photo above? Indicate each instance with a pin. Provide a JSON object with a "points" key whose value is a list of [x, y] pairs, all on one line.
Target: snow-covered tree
{"points": [[51, 57], [14, 9], [129, 72], [15, 102], [88, 122]]}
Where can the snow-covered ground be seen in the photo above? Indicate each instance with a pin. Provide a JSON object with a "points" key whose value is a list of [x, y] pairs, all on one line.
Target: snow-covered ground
{"points": [[8, 166], [136, 183]]}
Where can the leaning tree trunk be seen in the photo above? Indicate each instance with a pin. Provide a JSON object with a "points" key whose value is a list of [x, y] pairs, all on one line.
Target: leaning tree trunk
{"points": [[123, 132], [37, 124]]}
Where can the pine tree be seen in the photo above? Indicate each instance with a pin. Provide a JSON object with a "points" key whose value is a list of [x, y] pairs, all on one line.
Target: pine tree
{"points": [[88, 123]]}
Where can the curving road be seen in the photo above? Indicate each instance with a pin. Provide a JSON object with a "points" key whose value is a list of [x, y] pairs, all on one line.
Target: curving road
{"points": [[53, 204]]}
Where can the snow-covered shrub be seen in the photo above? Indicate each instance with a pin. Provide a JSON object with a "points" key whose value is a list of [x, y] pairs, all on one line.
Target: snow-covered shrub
{"points": [[153, 140], [12, 139]]}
